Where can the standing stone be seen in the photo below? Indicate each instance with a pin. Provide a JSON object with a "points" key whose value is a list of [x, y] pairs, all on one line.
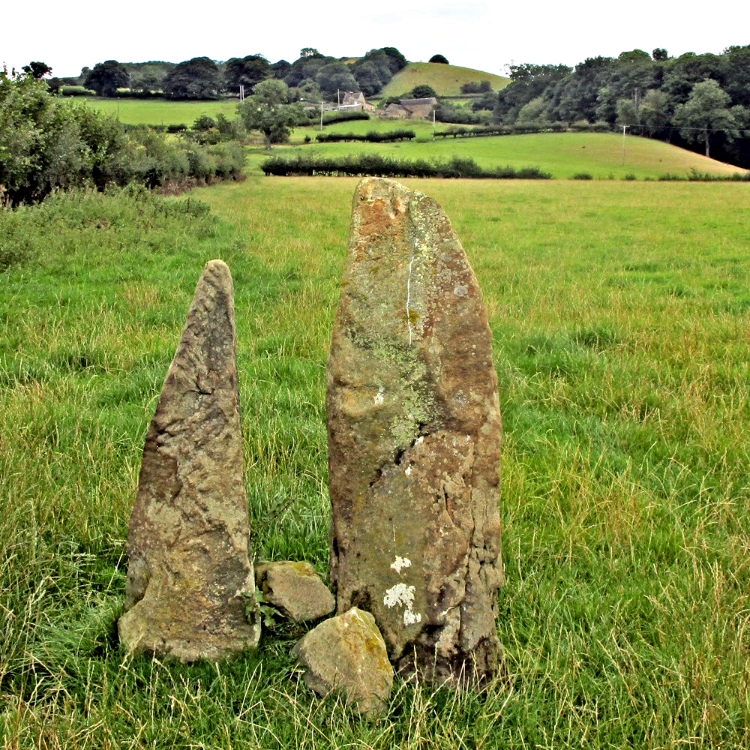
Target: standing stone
{"points": [[190, 582], [414, 439]]}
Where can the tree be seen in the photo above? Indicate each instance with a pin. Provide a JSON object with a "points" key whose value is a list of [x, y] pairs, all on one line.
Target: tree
{"points": [[533, 112], [37, 69], [246, 71], [706, 109], [280, 69], [368, 79], [309, 52], [335, 77], [107, 77], [655, 110], [626, 112], [396, 60], [423, 91], [439, 59], [269, 111], [660, 54], [198, 78]]}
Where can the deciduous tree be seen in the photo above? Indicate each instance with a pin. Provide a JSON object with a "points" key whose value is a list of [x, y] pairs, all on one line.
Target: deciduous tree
{"points": [[107, 77], [269, 111], [706, 109]]}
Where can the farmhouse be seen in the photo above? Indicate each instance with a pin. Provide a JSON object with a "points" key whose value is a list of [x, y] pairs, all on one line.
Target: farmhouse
{"points": [[355, 100], [411, 109]]}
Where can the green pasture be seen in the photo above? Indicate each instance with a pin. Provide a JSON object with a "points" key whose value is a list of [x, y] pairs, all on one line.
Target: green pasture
{"points": [[445, 79], [561, 154], [619, 313], [160, 111]]}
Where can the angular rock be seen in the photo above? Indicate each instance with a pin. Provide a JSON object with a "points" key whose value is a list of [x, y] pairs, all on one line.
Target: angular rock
{"points": [[190, 586], [296, 589], [347, 654], [414, 437]]}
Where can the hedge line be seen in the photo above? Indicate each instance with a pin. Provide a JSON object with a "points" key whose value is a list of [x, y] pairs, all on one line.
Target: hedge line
{"points": [[376, 165], [370, 137], [330, 117], [521, 129]]}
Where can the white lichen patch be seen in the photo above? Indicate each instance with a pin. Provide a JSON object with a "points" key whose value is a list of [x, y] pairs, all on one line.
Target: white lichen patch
{"points": [[379, 397], [411, 618], [403, 595], [408, 471], [399, 595], [400, 563]]}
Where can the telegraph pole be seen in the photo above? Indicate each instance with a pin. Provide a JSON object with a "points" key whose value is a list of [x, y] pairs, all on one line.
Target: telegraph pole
{"points": [[321, 115], [624, 128]]}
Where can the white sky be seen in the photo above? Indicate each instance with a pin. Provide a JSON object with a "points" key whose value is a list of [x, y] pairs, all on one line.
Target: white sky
{"points": [[476, 34]]}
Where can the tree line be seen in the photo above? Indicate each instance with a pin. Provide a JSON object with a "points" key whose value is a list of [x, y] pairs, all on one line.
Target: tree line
{"points": [[701, 101], [313, 76]]}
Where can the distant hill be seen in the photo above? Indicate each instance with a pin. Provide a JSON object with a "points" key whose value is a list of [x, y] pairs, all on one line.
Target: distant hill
{"points": [[445, 79]]}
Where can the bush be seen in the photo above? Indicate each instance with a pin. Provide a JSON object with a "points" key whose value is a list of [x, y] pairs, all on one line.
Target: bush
{"points": [[630, 176], [48, 144], [582, 176], [439, 59], [423, 91]]}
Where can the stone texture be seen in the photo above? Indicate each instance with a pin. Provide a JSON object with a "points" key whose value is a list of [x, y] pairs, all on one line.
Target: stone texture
{"points": [[347, 654], [296, 589], [414, 439], [190, 581]]}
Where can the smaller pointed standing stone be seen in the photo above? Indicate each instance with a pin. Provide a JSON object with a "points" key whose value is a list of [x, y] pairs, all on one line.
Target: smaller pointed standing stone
{"points": [[190, 581]]}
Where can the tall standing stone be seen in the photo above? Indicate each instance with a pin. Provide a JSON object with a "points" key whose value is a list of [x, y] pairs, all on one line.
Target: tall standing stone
{"points": [[414, 439], [190, 582]]}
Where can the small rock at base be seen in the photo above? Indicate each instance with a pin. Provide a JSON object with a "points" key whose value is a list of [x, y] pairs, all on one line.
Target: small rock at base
{"points": [[347, 654], [296, 589]]}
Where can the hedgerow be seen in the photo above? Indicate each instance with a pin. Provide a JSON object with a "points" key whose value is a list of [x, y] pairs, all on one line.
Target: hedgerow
{"points": [[377, 165], [370, 137]]}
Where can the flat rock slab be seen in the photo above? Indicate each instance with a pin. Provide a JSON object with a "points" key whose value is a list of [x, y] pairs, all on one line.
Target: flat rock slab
{"points": [[347, 654], [414, 438], [190, 581], [296, 589]]}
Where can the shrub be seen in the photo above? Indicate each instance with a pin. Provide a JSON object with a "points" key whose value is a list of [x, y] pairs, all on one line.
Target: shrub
{"points": [[582, 176], [423, 91], [439, 59], [630, 176]]}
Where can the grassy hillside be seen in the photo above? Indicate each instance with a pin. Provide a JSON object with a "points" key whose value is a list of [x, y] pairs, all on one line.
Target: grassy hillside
{"points": [[445, 79], [619, 319], [160, 111], [562, 154]]}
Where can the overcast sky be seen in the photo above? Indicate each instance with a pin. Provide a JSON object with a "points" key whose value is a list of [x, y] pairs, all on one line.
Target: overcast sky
{"points": [[483, 35]]}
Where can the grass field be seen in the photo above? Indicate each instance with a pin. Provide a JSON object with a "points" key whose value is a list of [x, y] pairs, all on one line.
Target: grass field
{"points": [[160, 111], [561, 154], [445, 79], [619, 313]]}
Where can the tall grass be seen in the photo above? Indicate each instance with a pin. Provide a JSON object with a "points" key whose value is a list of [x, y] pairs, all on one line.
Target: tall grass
{"points": [[619, 315]]}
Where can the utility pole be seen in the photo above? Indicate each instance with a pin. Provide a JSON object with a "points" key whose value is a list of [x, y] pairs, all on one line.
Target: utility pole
{"points": [[242, 92], [321, 115], [433, 124], [338, 98], [624, 128]]}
